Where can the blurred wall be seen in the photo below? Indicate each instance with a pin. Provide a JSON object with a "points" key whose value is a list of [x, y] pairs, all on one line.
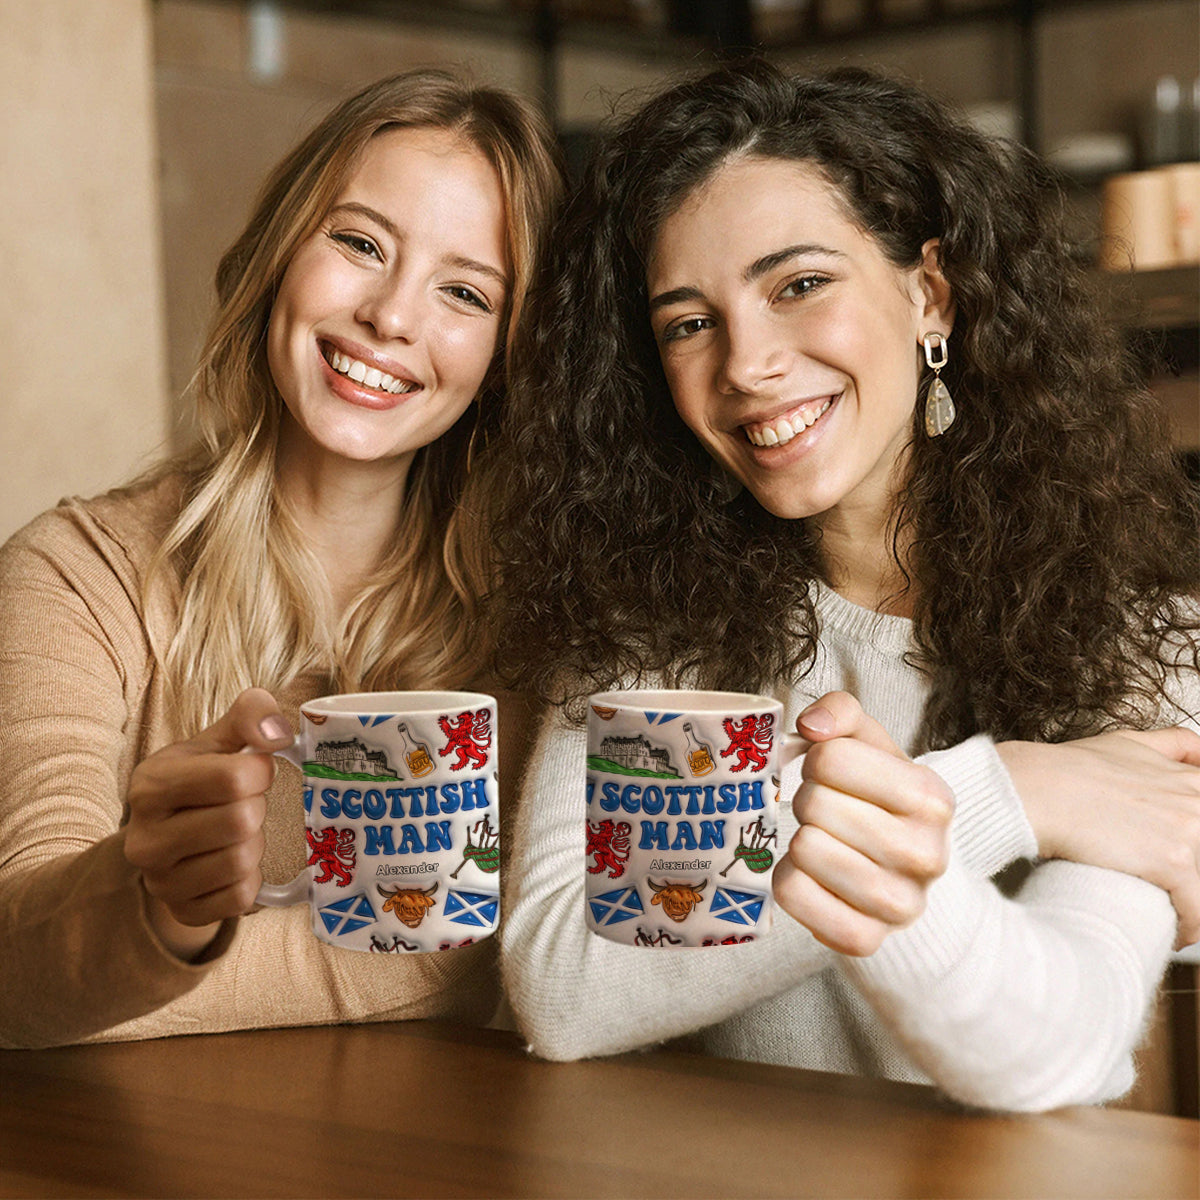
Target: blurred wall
{"points": [[144, 129], [222, 125], [82, 303]]}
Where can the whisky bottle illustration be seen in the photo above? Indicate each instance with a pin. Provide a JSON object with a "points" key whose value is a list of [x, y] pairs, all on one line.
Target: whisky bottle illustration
{"points": [[416, 754], [699, 754]]}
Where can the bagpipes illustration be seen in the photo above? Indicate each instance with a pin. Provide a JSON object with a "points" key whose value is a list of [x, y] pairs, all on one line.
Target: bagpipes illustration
{"points": [[757, 853]]}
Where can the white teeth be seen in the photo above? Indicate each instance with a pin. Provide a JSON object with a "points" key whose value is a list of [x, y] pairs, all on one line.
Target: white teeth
{"points": [[369, 376], [781, 431]]}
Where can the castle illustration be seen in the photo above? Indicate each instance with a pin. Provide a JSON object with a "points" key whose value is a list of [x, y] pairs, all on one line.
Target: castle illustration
{"points": [[637, 754], [351, 757]]}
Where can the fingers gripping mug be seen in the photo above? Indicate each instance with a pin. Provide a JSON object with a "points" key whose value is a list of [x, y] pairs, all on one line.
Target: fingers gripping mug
{"points": [[400, 816], [682, 796]]}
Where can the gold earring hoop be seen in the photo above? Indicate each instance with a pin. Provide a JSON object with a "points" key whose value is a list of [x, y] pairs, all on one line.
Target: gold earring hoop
{"points": [[939, 407]]}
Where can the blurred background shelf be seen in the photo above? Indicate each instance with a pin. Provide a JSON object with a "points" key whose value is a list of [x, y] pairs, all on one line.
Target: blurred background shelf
{"points": [[681, 32]]}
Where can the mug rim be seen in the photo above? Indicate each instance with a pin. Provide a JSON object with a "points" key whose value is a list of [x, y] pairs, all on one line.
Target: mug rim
{"points": [[410, 703], [683, 699]]}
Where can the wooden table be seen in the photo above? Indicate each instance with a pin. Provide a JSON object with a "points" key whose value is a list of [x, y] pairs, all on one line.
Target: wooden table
{"points": [[423, 1109]]}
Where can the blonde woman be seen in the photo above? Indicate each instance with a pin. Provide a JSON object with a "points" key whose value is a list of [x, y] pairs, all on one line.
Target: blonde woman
{"points": [[321, 537]]}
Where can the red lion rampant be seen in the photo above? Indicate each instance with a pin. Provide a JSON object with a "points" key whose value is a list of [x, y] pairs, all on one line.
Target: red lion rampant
{"points": [[609, 842], [332, 851], [750, 740], [470, 735]]}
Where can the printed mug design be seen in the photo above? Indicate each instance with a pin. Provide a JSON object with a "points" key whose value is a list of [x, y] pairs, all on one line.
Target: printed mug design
{"points": [[470, 737], [399, 813], [751, 740], [333, 852], [608, 847], [680, 813], [757, 853]]}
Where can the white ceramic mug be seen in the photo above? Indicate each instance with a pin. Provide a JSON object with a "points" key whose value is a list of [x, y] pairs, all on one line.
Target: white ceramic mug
{"points": [[400, 816], [682, 799]]}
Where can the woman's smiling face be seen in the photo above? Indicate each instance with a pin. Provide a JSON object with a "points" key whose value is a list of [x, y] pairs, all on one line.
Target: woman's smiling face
{"points": [[789, 340], [388, 316]]}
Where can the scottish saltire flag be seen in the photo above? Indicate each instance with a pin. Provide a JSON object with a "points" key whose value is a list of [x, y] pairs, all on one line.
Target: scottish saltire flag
{"points": [[613, 907], [472, 908], [345, 916], [371, 719], [736, 906]]}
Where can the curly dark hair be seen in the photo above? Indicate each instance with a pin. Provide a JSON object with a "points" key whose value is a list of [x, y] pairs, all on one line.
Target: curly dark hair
{"points": [[1053, 555]]}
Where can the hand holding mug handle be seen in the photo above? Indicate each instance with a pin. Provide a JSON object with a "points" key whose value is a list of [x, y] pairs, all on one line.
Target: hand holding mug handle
{"points": [[874, 831], [196, 811]]}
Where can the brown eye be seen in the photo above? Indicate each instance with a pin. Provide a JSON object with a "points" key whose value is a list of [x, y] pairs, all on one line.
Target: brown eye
{"points": [[803, 286], [688, 327], [358, 244]]}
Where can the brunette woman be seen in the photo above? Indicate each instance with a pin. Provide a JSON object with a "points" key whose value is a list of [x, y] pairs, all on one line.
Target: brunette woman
{"points": [[821, 407], [320, 538]]}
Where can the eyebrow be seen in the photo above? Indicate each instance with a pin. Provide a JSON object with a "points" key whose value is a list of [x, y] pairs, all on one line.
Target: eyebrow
{"points": [[674, 296], [385, 223], [768, 262], [756, 270]]}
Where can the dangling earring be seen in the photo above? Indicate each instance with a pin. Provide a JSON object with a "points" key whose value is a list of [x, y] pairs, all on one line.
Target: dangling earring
{"points": [[939, 407]]}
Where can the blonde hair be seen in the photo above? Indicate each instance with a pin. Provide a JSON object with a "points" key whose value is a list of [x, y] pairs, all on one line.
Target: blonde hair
{"points": [[253, 606]]}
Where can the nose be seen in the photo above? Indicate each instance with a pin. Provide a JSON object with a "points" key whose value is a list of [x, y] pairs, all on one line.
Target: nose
{"points": [[394, 308], [754, 355]]}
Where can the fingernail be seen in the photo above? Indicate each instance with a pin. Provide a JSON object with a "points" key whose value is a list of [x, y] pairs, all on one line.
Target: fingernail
{"points": [[817, 719], [275, 728]]}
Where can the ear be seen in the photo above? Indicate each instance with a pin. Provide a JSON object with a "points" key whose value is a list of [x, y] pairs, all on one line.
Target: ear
{"points": [[938, 315]]}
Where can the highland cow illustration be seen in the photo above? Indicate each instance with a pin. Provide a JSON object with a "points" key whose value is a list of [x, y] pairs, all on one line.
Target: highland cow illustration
{"points": [[409, 904], [678, 900]]}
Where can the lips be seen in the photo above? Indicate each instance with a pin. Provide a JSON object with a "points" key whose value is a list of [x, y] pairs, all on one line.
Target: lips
{"points": [[366, 375], [779, 430]]}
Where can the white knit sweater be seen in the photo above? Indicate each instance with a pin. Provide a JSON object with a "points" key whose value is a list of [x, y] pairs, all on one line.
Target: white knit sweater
{"points": [[1024, 1004]]}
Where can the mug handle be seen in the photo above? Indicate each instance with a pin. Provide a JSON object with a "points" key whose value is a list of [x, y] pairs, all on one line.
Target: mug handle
{"points": [[792, 745], [283, 895]]}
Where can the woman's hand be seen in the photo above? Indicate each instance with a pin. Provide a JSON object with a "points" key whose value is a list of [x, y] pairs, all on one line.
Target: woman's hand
{"points": [[196, 812], [1126, 800], [874, 831]]}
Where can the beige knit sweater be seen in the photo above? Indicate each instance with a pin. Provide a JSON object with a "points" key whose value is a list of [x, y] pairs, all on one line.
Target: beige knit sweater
{"points": [[81, 703]]}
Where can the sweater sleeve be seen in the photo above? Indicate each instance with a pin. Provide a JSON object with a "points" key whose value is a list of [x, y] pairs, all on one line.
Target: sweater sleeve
{"points": [[79, 954], [1033, 1002], [575, 994], [990, 829], [81, 961], [1030, 1003]]}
